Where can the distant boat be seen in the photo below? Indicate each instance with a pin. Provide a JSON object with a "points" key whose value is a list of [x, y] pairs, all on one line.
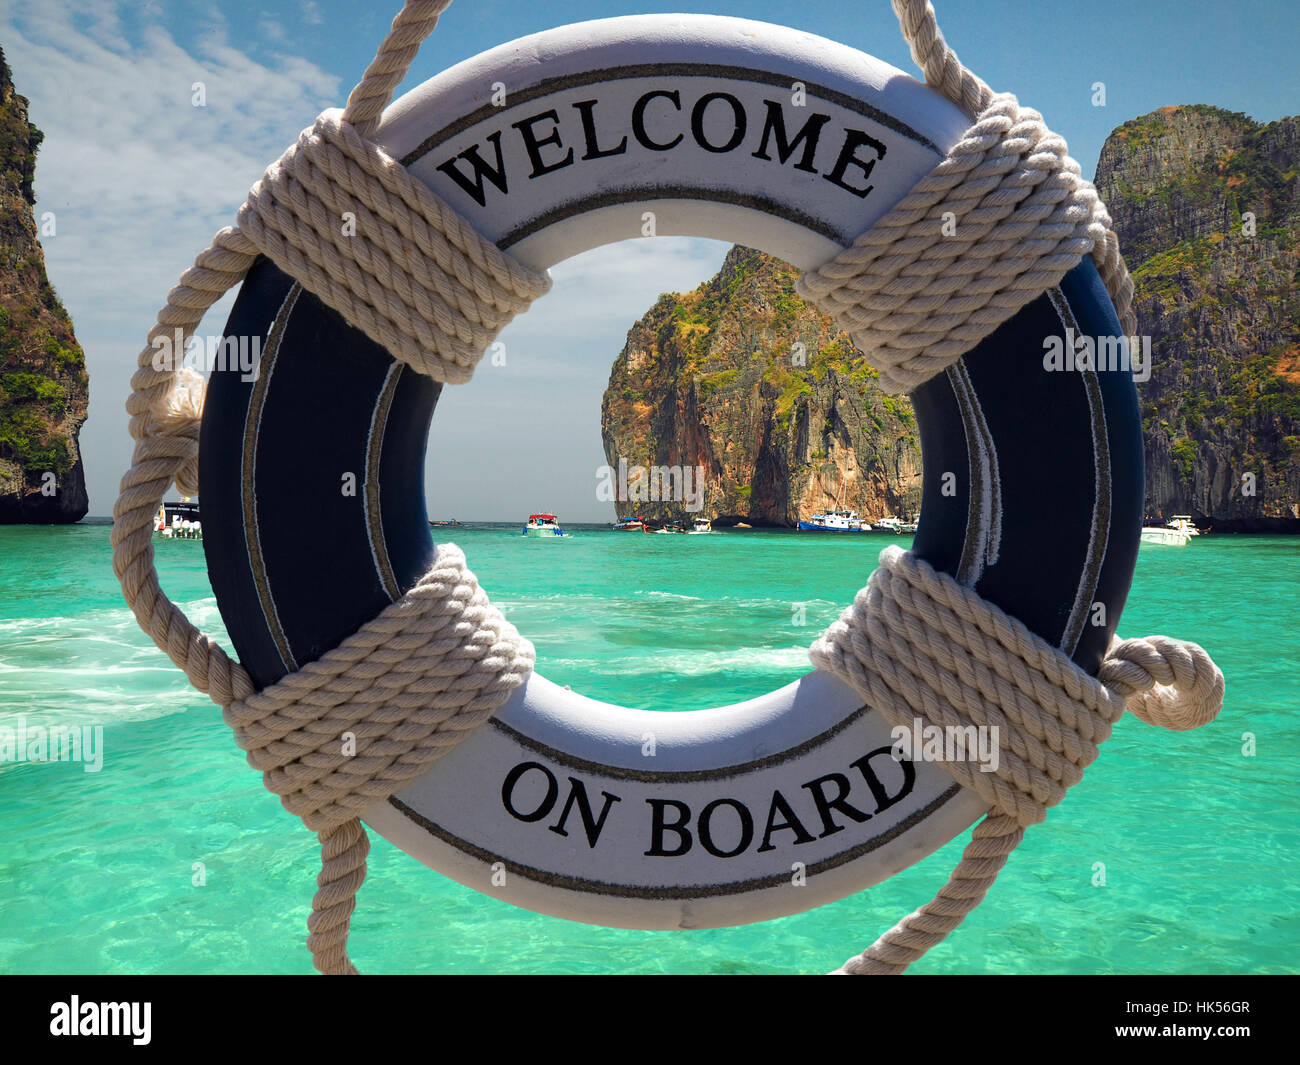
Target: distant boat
{"points": [[888, 525], [839, 521], [543, 525], [701, 526], [179, 521], [910, 527], [1162, 534], [448, 523], [629, 525], [671, 527], [1183, 523]]}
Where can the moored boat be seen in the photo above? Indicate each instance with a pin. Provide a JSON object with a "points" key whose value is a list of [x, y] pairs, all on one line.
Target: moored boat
{"points": [[1162, 534], [179, 521], [888, 525], [840, 521], [629, 525], [543, 525], [446, 523], [701, 526], [1184, 524]]}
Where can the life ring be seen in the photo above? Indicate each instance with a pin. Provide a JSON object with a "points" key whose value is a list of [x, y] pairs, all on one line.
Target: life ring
{"points": [[647, 818]]}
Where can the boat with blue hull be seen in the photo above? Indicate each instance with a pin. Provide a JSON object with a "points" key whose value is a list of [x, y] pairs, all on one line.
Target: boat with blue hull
{"points": [[837, 521]]}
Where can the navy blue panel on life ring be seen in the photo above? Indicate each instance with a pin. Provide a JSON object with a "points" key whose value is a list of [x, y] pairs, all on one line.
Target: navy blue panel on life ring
{"points": [[1042, 511], [312, 476]]}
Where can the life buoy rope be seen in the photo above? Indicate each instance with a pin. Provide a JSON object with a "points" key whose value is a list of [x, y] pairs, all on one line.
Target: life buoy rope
{"points": [[436, 664]]}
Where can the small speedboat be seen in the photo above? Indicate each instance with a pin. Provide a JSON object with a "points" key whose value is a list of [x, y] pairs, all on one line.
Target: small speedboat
{"points": [[543, 525], [629, 525], [447, 523], [1184, 524], [1162, 534], [888, 525], [671, 527], [701, 526]]}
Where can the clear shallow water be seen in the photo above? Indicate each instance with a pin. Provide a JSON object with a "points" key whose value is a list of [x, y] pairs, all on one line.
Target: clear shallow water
{"points": [[1201, 845]]}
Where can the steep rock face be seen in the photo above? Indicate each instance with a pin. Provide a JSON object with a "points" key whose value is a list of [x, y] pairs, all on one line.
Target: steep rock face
{"points": [[1221, 412], [765, 394], [44, 388]]}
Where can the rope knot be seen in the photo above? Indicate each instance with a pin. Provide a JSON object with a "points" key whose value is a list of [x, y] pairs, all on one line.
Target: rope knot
{"points": [[998, 222], [1170, 683], [346, 220]]}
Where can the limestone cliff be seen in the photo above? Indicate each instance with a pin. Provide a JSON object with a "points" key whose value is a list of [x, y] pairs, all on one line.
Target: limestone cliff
{"points": [[44, 388], [1207, 207], [743, 379]]}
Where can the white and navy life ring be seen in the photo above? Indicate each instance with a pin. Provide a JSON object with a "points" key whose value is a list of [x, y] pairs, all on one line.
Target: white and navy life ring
{"points": [[694, 118]]}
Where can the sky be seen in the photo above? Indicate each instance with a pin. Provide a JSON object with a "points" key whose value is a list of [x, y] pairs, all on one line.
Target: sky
{"points": [[138, 179]]}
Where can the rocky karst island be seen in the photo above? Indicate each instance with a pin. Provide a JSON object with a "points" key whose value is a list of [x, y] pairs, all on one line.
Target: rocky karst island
{"points": [[44, 388]]}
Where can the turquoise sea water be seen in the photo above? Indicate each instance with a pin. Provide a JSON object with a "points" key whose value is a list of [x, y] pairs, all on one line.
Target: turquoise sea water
{"points": [[1200, 843]]}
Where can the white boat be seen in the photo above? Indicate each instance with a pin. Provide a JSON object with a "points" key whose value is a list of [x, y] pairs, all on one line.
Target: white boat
{"points": [[909, 527], [543, 525], [888, 525], [701, 526], [843, 521], [1184, 524], [1162, 534]]}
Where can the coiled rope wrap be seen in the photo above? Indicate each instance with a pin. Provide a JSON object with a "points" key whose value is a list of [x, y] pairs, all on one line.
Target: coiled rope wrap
{"points": [[346, 220], [417, 278], [997, 223]]}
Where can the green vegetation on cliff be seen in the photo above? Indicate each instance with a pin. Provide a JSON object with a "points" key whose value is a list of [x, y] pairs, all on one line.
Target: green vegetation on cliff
{"points": [[1207, 206], [43, 381], [740, 377]]}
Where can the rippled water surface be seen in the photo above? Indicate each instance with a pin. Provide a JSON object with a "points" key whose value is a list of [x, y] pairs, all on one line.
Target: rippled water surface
{"points": [[1200, 843]]}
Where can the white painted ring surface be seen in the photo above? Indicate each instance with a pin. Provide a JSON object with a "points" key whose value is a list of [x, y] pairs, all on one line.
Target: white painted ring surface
{"points": [[655, 819]]}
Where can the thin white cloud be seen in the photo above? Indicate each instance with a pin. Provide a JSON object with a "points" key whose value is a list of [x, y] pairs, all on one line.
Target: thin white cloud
{"points": [[140, 179]]}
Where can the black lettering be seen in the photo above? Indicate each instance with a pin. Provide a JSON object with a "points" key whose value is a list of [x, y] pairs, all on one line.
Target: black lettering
{"points": [[853, 140], [878, 790], [592, 825], [533, 146], [737, 127], [508, 788], [659, 826], [481, 170], [746, 828], [782, 806], [638, 120], [825, 805], [594, 151], [774, 126]]}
